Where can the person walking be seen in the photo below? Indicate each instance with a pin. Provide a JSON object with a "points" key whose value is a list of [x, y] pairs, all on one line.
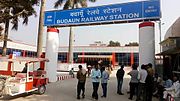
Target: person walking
{"points": [[71, 72], [81, 76], [95, 75], [89, 70], [119, 76], [134, 81], [141, 87], [104, 81]]}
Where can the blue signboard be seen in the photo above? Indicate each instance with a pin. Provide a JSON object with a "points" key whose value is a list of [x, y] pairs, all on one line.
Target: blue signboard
{"points": [[133, 11], [16, 54]]}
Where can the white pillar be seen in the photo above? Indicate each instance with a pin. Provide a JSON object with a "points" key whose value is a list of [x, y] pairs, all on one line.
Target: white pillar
{"points": [[52, 45], [146, 43]]}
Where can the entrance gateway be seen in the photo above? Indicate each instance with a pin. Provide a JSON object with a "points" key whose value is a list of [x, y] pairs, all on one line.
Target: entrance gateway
{"points": [[144, 12]]}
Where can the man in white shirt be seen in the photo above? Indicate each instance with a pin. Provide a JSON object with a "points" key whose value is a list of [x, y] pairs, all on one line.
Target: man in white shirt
{"points": [[141, 88]]}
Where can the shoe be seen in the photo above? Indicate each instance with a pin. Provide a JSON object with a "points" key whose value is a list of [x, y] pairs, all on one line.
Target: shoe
{"points": [[130, 98], [139, 99], [121, 94], [78, 97], [83, 96], [103, 96]]}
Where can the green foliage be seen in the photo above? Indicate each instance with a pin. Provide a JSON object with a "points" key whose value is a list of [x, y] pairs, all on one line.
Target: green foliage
{"points": [[15, 9], [113, 44], [132, 44], [71, 4], [10, 12]]}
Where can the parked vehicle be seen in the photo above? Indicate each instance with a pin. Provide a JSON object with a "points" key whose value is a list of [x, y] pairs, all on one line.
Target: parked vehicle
{"points": [[22, 75]]}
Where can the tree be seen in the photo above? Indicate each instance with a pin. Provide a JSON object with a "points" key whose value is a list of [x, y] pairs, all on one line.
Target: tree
{"points": [[113, 44], [132, 44], [41, 28], [10, 12], [71, 4]]}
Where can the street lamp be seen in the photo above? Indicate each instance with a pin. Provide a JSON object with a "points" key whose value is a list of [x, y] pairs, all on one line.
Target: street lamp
{"points": [[160, 23]]}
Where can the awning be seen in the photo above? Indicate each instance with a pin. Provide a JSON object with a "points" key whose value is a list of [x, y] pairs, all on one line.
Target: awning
{"points": [[170, 52], [22, 59]]}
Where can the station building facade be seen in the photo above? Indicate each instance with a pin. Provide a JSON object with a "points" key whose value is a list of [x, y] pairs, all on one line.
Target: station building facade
{"points": [[108, 55], [125, 55]]}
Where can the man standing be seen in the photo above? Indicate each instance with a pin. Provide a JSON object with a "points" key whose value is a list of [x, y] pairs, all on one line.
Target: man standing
{"points": [[149, 82], [104, 81], [119, 76], [81, 76], [141, 88], [134, 81], [25, 68], [95, 75]]}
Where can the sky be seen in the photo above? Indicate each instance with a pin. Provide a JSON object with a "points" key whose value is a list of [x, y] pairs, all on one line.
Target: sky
{"points": [[85, 35]]}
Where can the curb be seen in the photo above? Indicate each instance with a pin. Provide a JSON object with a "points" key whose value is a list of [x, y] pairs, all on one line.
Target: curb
{"points": [[63, 77]]}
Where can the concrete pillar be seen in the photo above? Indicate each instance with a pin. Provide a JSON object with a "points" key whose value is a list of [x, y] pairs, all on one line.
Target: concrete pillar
{"points": [[146, 43], [52, 45]]}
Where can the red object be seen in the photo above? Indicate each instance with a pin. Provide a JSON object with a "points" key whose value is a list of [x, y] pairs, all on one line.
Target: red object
{"points": [[52, 30], [8, 72], [113, 59], [170, 98], [39, 81], [5, 72], [42, 63], [9, 63], [21, 75], [29, 85], [144, 24], [132, 58], [83, 57], [24, 53]]}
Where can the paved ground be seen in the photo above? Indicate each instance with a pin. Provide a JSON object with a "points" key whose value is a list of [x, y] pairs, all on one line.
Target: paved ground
{"points": [[65, 90]]}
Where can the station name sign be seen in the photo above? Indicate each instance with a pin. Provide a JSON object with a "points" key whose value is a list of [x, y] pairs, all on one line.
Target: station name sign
{"points": [[116, 13]]}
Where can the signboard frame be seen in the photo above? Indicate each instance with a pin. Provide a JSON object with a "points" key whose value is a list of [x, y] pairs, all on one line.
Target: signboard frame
{"points": [[142, 10]]}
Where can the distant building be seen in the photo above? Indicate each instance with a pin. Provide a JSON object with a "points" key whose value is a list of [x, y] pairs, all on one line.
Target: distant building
{"points": [[109, 55], [126, 55], [171, 50], [98, 43]]}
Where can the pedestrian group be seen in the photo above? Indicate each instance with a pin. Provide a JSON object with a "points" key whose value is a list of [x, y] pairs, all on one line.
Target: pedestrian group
{"points": [[144, 83]]}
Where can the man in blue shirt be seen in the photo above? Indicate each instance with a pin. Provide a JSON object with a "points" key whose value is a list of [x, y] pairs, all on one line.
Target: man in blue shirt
{"points": [[95, 75], [168, 82]]}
